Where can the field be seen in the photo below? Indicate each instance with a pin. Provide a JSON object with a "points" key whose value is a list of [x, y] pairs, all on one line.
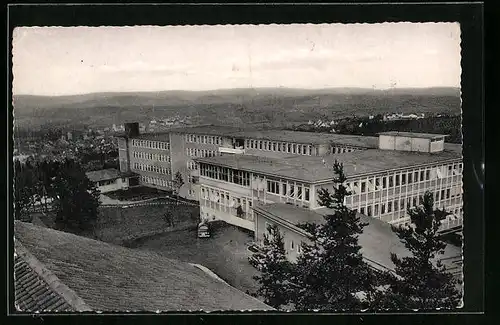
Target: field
{"points": [[120, 226], [273, 107]]}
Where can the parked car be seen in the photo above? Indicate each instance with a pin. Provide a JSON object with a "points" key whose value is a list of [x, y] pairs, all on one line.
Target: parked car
{"points": [[203, 230], [257, 260]]}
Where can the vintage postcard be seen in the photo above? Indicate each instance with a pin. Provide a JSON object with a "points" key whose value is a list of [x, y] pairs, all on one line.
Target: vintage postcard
{"points": [[300, 167]]}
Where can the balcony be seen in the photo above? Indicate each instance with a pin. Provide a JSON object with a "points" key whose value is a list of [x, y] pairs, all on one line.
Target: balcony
{"points": [[235, 150]]}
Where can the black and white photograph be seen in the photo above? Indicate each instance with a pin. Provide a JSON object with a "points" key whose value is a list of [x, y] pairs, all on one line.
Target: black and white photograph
{"points": [[204, 168]]}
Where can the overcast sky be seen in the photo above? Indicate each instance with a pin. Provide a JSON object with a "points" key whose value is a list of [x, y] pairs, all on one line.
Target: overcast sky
{"points": [[76, 60]]}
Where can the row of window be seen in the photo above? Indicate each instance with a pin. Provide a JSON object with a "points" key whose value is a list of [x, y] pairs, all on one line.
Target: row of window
{"points": [[192, 165], [401, 204], [295, 191], [403, 178], [151, 144], [151, 156], [300, 149], [156, 181], [151, 168], [205, 139], [225, 174], [224, 201], [106, 182], [343, 149], [195, 152]]}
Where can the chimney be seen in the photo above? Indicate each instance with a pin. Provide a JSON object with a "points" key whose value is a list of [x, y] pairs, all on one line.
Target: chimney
{"points": [[131, 129]]}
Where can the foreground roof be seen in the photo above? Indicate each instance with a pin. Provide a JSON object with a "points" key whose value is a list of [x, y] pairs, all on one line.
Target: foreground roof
{"points": [[377, 240], [113, 278], [32, 291], [316, 168]]}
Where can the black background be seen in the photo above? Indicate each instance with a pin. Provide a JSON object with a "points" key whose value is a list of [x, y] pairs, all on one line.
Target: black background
{"points": [[469, 15]]}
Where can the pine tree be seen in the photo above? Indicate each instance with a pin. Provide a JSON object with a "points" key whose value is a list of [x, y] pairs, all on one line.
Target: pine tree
{"points": [[421, 281], [274, 278], [76, 198], [331, 271], [178, 182]]}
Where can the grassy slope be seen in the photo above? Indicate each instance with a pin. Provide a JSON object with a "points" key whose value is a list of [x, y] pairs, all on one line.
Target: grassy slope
{"points": [[278, 106]]}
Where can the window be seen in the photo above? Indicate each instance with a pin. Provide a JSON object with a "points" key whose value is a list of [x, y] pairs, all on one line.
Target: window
{"points": [[377, 183], [384, 182], [403, 179], [273, 187], [291, 245], [397, 180], [389, 207], [362, 211], [422, 176], [410, 178], [274, 146], [448, 193], [306, 192], [293, 148], [283, 187], [391, 181], [376, 210], [427, 174], [363, 187], [382, 209]]}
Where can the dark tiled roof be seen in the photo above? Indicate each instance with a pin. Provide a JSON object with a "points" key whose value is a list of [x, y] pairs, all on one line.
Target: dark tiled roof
{"points": [[32, 293], [115, 278], [37, 289], [103, 174]]}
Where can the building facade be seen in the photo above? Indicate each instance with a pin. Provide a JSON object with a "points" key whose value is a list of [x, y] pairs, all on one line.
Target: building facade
{"points": [[383, 184], [228, 169]]}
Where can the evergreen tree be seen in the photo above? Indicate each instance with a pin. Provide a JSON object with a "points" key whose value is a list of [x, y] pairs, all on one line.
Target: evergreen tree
{"points": [[421, 281], [274, 278], [178, 182], [23, 190], [331, 271], [76, 198]]}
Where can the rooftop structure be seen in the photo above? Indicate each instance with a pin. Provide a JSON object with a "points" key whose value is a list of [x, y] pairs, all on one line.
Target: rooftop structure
{"points": [[98, 276], [411, 141], [316, 169], [414, 135]]}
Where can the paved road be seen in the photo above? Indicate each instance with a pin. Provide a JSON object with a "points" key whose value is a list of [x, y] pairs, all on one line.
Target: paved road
{"points": [[225, 253]]}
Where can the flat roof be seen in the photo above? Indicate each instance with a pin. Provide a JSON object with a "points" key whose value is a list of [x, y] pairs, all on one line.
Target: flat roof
{"points": [[309, 137], [265, 134], [414, 134], [114, 278], [319, 168], [377, 240]]}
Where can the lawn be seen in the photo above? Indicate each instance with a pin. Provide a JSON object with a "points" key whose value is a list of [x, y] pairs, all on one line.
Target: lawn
{"points": [[117, 224], [225, 253], [137, 194]]}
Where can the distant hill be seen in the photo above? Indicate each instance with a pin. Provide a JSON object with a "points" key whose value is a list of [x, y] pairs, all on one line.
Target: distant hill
{"points": [[276, 106]]}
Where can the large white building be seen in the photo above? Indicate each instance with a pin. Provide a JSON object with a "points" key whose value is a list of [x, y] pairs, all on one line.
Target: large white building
{"points": [[229, 170], [384, 181]]}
